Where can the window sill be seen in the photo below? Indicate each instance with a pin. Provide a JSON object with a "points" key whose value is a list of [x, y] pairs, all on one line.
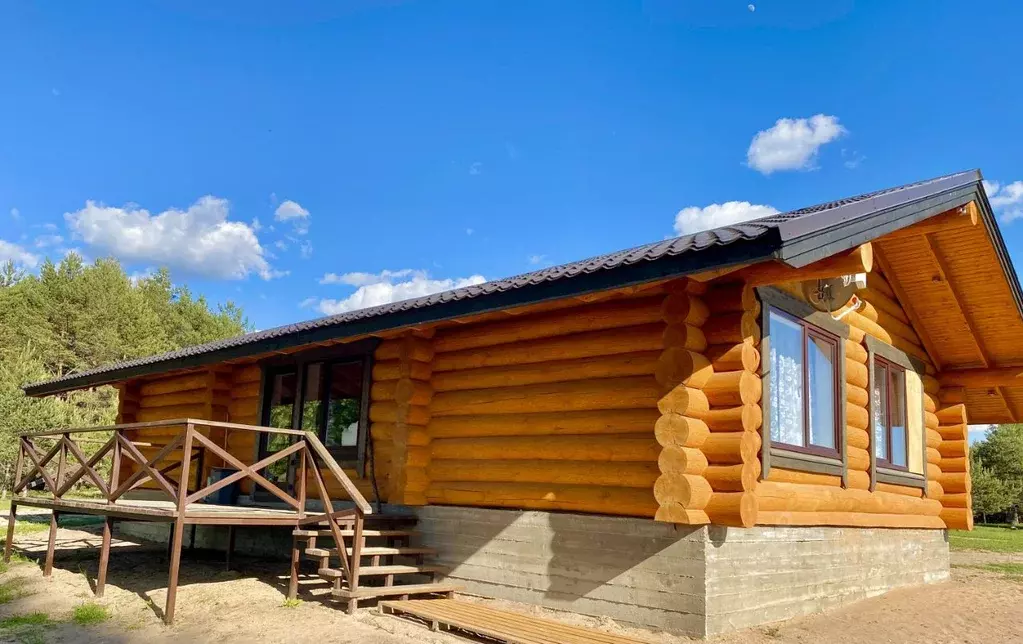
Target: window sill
{"points": [[806, 462], [900, 477]]}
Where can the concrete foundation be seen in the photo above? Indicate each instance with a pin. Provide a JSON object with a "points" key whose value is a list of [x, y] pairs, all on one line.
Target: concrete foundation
{"points": [[695, 581]]}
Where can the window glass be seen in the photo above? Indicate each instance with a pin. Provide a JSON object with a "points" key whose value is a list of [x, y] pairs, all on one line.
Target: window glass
{"points": [[345, 402], [821, 372], [312, 400], [786, 381], [897, 417], [880, 405]]}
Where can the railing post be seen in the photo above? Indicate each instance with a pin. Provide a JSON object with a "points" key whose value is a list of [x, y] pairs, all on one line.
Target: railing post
{"points": [[18, 465], [303, 455], [61, 463], [115, 467], [356, 550], [179, 525]]}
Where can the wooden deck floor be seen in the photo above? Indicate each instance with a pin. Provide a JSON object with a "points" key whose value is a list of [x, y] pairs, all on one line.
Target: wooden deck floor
{"points": [[195, 513], [503, 626]]}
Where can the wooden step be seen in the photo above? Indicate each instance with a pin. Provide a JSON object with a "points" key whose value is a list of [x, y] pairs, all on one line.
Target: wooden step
{"points": [[351, 533], [383, 591], [366, 571], [371, 551]]}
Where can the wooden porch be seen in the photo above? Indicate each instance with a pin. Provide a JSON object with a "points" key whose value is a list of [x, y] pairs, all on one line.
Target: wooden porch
{"points": [[61, 460]]}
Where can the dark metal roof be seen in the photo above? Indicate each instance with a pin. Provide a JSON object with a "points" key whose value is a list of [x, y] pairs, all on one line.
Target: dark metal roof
{"points": [[798, 237]]}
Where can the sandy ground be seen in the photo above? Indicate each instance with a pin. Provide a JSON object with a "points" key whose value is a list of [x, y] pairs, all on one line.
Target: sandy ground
{"points": [[247, 605]]}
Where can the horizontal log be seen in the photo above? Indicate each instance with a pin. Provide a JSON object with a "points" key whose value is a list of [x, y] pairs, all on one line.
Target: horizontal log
{"points": [[950, 449], [857, 480], [675, 430], [857, 459], [776, 496], [614, 366], [579, 395], [681, 460], [857, 260], [589, 317], [731, 447], [533, 496], [246, 389], [782, 475], [958, 518], [900, 489], [953, 482], [405, 390], [675, 513], [856, 437], [874, 329], [855, 395], [690, 491], [955, 464], [933, 471], [951, 395], [732, 419], [952, 432], [889, 322], [933, 438], [931, 385], [394, 369], [959, 219], [934, 490], [244, 408], [170, 413], [733, 478], [931, 420], [678, 366], [549, 448], [173, 384], [620, 421], [405, 348], [389, 412], [952, 414], [856, 374], [733, 388], [739, 509], [856, 416], [246, 373], [734, 357], [637, 475], [683, 308], [684, 336], [648, 337], [192, 397], [856, 352], [849, 519], [961, 500], [732, 328], [933, 456], [684, 401], [731, 298], [929, 404], [879, 283]]}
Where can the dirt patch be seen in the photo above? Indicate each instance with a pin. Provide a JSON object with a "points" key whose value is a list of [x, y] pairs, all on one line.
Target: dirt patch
{"points": [[216, 605]]}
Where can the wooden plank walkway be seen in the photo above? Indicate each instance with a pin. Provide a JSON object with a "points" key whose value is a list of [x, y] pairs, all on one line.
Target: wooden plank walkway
{"points": [[504, 626]]}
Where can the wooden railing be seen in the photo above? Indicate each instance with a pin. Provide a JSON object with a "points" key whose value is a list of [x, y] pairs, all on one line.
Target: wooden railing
{"points": [[305, 453]]}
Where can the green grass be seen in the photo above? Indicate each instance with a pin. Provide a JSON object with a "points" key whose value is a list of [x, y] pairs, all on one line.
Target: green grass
{"points": [[291, 603], [89, 613], [987, 538], [16, 558], [31, 619], [11, 590]]}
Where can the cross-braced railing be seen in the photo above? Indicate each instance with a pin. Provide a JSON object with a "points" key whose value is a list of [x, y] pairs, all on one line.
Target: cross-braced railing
{"points": [[306, 454]]}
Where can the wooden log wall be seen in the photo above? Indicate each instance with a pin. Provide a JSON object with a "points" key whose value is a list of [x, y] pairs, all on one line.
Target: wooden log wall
{"points": [[729, 402], [549, 410], [951, 442], [400, 412]]}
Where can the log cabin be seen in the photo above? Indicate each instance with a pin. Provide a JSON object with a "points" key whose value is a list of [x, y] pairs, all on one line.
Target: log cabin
{"points": [[697, 435]]}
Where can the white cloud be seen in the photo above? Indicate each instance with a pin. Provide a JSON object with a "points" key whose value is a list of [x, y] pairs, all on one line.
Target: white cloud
{"points": [[281, 245], [375, 289], [292, 211], [15, 214], [1005, 199], [537, 259], [17, 254], [695, 219], [476, 168], [792, 144], [43, 241], [199, 240], [255, 225], [306, 250], [307, 302]]}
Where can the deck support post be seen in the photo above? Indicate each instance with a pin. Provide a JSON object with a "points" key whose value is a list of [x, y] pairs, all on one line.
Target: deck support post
{"points": [[179, 527], [48, 566], [230, 547], [104, 556], [11, 518], [296, 558]]}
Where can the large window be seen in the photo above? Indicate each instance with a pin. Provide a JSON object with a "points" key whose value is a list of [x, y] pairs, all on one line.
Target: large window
{"points": [[803, 390], [888, 400], [324, 393]]}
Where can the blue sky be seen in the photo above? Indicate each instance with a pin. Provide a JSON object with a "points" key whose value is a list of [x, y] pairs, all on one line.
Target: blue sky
{"points": [[302, 160]]}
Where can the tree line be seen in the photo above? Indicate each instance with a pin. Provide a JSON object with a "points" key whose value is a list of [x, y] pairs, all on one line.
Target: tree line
{"points": [[996, 471], [74, 316]]}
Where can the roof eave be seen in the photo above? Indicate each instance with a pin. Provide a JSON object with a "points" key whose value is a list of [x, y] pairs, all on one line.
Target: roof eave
{"points": [[736, 253]]}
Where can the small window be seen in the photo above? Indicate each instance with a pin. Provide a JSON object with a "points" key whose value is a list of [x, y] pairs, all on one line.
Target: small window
{"points": [[888, 399], [804, 394]]}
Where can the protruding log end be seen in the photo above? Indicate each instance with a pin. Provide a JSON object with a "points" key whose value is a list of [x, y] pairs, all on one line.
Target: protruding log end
{"points": [[957, 518], [738, 509], [675, 513]]}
